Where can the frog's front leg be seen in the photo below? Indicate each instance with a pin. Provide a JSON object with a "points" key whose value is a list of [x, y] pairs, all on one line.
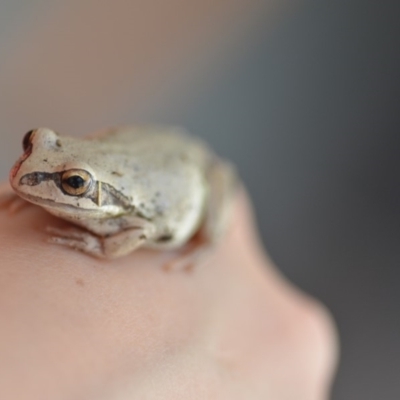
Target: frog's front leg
{"points": [[112, 246]]}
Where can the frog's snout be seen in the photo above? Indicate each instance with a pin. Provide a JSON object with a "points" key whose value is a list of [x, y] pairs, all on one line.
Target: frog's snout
{"points": [[16, 167]]}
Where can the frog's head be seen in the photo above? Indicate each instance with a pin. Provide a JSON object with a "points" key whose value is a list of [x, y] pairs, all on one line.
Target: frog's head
{"points": [[53, 173]]}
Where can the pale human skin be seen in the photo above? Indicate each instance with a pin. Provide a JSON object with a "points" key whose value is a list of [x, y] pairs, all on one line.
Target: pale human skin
{"points": [[74, 327]]}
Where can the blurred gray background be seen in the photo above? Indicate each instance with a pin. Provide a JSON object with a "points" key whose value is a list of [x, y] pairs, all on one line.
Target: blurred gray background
{"points": [[303, 96]]}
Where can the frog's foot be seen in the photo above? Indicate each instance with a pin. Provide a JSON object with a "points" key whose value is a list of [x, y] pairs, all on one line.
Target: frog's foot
{"points": [[187, 260], [194, 253], [11, 201], [77, 239], [112, 246]]}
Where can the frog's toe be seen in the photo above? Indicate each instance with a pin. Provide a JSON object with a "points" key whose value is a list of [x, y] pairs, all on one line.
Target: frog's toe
{"points": [[68, 233], [17, 205]]}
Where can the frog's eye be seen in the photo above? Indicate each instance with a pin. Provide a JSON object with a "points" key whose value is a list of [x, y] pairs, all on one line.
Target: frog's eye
{"points": [[26, 141], [76, 182]]}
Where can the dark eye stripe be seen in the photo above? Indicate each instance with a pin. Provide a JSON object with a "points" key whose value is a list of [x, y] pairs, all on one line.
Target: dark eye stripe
{"points": [[109, 195], [35, 178]]}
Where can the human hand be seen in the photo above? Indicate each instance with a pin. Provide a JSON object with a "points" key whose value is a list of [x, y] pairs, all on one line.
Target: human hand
{"points": [[74, 327]]}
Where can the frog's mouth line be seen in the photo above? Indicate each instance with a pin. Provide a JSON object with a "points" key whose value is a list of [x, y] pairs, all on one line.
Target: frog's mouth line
{"points": [[70, 208]]}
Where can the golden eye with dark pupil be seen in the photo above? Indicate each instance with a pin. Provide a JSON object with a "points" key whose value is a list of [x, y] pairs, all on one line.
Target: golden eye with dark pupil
{"points": [[76, 182], [26, 141]]}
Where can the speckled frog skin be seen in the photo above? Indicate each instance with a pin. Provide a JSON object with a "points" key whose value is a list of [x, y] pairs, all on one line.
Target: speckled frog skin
{"points": [[126, 187]]}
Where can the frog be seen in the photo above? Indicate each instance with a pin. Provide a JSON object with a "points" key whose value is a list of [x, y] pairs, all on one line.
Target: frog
{"points": [[125, 188]]}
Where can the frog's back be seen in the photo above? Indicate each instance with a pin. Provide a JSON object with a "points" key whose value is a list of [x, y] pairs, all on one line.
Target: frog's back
{"points": [[145, 142], [163, 170]]}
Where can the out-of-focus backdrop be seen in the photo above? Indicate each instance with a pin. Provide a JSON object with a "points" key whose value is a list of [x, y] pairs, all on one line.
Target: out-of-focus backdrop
{"points": [[302, 95]]}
